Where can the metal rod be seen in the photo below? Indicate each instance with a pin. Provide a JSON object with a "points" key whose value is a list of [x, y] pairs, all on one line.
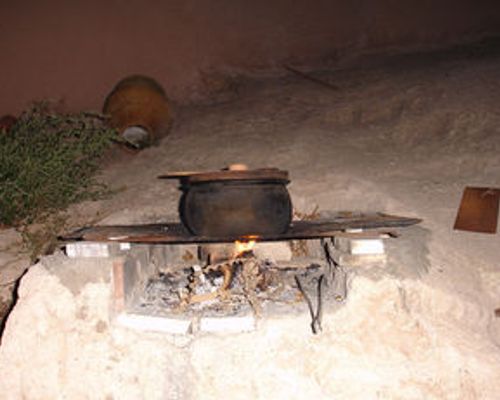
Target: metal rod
{"points": [[317, 315]]}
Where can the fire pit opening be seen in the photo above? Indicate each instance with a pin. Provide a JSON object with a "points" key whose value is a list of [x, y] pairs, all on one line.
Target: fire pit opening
{"points": [[218, 287]]}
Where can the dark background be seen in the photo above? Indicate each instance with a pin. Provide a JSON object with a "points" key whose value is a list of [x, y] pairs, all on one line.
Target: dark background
{"points": [[77, 50]]}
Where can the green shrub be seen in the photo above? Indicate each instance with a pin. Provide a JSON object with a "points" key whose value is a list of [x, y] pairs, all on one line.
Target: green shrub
{"points": [[48, 161]]}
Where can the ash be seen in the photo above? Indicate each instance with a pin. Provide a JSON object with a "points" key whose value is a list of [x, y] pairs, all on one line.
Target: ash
{"points": [[228, 288]]}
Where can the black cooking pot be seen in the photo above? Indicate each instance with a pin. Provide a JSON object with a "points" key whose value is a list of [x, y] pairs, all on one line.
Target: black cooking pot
{"points": [[235, 203]]}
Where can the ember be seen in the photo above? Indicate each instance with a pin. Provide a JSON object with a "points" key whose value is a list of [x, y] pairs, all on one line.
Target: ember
{"points": [[242, 247]]}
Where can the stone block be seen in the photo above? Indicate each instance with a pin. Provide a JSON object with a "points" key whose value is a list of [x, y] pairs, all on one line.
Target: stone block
{"points": [[170, 256], [273, 251], [217, 252]]}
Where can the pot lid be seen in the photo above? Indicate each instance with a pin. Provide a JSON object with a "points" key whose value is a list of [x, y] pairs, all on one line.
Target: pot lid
{"points": [[262, 174]]}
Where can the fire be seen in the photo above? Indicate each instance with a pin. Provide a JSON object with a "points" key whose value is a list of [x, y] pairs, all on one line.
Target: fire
{"points": [[242, 247]]}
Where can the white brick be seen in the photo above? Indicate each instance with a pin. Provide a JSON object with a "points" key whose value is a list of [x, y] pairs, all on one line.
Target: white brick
{"points": [[140, 322], [228, 324], [367, 246], [125, 246], [87, 249], [357, 260], [360, 246]]}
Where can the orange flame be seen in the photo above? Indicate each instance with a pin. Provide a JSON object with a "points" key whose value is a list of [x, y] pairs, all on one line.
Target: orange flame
{"points": [[244, 246]]}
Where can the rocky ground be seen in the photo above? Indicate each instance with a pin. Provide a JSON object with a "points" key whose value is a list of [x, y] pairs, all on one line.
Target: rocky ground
{"points": [[404, 135]]}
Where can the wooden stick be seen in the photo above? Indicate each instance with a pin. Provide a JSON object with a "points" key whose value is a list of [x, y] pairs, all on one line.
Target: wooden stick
{"points": [[311, 78]]}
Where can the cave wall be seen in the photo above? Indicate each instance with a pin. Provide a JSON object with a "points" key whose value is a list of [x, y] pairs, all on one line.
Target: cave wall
{"points": [[77, 50]]}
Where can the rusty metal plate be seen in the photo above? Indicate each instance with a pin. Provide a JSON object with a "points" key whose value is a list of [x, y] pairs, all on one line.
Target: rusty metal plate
{"points": [[261, 174], [478, 210], [177, 233]]}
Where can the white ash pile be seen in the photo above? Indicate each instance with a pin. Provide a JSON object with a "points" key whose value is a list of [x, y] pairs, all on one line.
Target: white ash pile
{"points": [[228, 279]]}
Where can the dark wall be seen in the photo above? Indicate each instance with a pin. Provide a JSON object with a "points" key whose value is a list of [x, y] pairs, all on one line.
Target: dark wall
{"points": [[77, 50]]}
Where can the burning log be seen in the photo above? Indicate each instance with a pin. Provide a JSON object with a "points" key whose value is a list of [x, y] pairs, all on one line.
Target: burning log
{"points": [[227, 271], [243, 274]]}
